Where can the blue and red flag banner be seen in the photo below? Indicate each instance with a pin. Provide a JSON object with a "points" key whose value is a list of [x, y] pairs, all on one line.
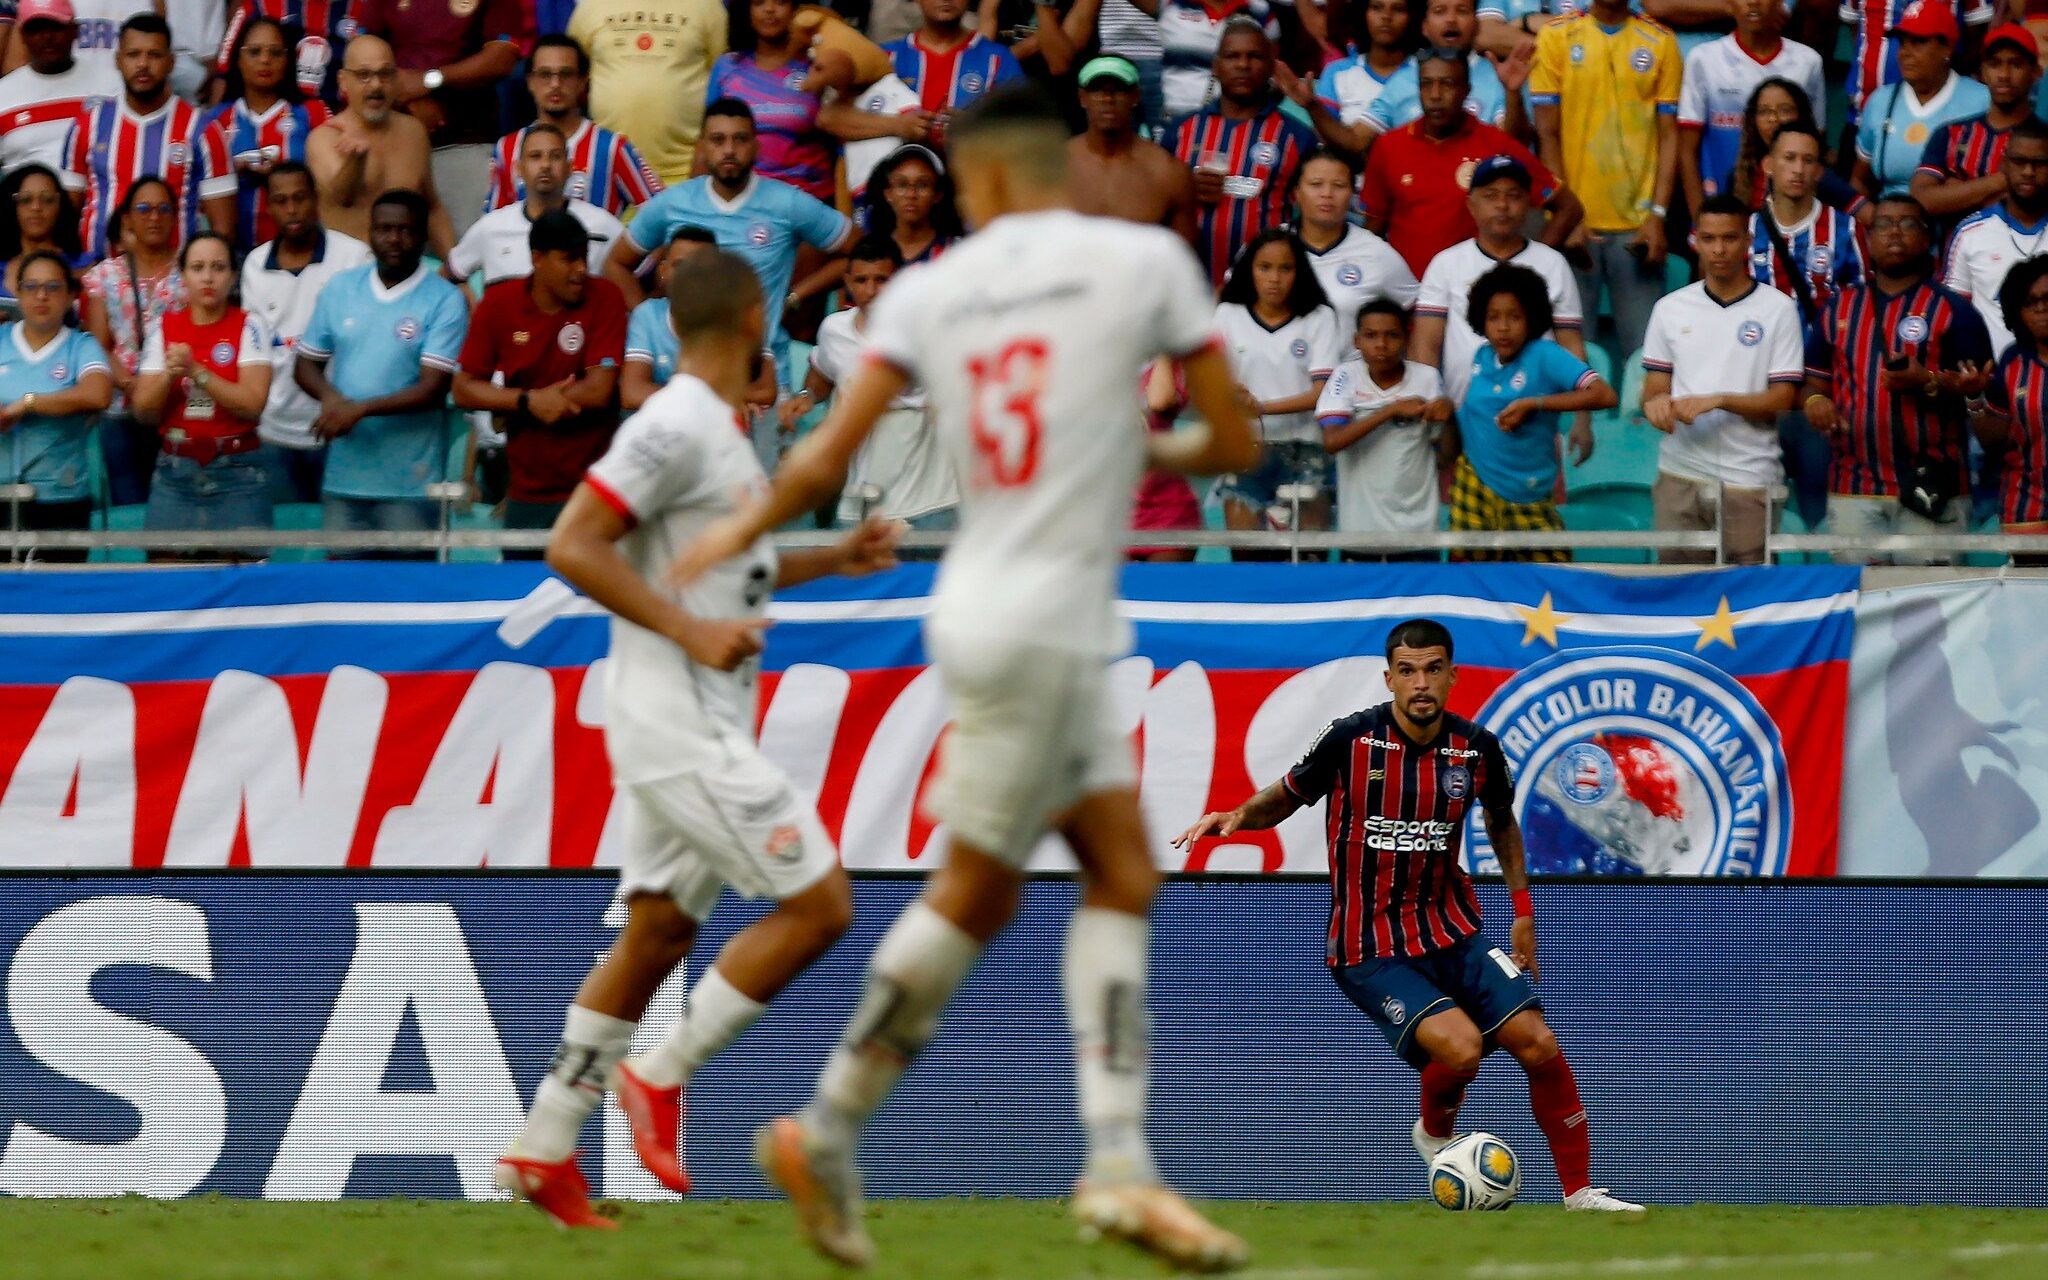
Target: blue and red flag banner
{"points": [[445, 716]]}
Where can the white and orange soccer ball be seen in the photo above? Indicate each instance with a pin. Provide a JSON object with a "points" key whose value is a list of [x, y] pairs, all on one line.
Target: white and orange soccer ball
{"points": [[1477, 1171]]}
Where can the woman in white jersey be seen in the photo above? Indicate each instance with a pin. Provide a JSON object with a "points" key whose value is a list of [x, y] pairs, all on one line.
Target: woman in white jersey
{"points": [[1283, 342], [1353, 265]]}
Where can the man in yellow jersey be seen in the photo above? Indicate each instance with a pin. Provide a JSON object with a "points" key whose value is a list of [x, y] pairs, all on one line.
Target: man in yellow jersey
{"points": [[650, 63], [1605, 89]]}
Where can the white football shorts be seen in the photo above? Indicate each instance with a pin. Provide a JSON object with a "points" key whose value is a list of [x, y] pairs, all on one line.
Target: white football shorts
{"points": [[742, 823], [1034, 731]]}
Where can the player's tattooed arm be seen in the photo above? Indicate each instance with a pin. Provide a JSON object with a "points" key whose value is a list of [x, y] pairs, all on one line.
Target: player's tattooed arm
{"points": [[1269, 808], [1506, 835]]}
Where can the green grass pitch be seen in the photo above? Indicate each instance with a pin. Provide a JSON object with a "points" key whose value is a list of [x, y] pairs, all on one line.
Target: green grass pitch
{"points": [[215, 1239]]}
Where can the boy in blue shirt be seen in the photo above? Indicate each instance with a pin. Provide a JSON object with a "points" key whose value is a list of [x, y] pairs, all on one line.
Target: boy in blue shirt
{"points": [[1519, 395]]}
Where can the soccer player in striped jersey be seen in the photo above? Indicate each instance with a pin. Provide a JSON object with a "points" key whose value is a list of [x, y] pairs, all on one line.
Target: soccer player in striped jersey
{"points": [[1405, 943], [1959, 172], [264, 120], [1888, 368], [604, 167], [146, 132]]}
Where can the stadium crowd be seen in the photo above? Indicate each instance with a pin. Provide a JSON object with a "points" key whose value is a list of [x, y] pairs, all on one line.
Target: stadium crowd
{"points": [[1502, 265]]}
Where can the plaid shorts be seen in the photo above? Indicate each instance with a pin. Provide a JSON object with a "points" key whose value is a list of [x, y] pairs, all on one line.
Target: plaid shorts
{"points": [[1475, 507]]}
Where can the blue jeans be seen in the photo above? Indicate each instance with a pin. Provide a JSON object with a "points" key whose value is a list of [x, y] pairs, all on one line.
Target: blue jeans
{"points": [[226, 493], [130, 451], [294, 474], [380, 515], [1151, 97]]}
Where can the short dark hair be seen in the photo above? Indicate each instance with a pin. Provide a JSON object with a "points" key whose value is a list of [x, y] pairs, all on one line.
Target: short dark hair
{"points": [[1383, 307], [1322, 153], [1901, 198], [560, 41], [2033, 128], [693, 233], [1444, 53], [541, 126], [127, 204], [1722, 204], [2012, 297], [1520, 283], [289, 168], [557, 231], [732, 109], [876, 249], [201, 237], [1243, 290], [1420, 633], [709, 291], [407, 199], [1024, 123], [148, 24], [1800, 129]]}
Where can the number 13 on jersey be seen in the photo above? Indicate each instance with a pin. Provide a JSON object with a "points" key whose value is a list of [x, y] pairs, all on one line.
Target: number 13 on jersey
{"points": [[1003, 418]]}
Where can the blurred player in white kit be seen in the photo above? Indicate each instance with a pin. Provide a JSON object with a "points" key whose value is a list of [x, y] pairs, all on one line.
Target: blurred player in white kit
{"points": [[702, 807], [1028, 338]]}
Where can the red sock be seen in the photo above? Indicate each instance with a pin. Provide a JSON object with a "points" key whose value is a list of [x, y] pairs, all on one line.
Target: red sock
{"points": [[1554, 1097], [1443, 1092]]}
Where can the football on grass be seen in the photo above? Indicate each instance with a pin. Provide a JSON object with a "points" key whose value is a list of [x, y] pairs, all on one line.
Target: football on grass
{"points": [[1477, 1171]]}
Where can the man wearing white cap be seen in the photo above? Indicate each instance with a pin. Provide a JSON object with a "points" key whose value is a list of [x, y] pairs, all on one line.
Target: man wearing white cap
{"points": [[38, 101]]}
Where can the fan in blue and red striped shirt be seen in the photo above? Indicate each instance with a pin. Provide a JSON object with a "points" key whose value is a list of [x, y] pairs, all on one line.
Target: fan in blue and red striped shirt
{"points": [[604, 168], [315, 32], [1241, 148], [1400, 780], [1879, 347], [1958, 171], [263, 119], [2018, 395]]}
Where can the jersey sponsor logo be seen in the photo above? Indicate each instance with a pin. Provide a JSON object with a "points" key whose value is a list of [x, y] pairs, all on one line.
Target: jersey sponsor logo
{"points": [[177, 153], [1299, 348], [1464, 175], [223, 352], [1265, 154], [785, 844], [1407, 835], [1913, 329], [1457, 782], [579, 186], [60, 372], [570, 338], [1818, 259], [1642, 61], [346, 29], [1578, 53], [407, 329], [521, 337], [1641, 761], [758, 234], [1396, 1012], [1518, 381], [1349, 275], [1750, 333]]}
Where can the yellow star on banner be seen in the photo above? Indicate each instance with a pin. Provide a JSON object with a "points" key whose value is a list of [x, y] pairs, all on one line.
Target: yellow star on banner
{"points": [[1719, 629], [1542, 621]]}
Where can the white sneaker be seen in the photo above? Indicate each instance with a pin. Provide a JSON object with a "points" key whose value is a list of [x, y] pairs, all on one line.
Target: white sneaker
{"points": [[1157, 1220], [1596, 1200], [823, 1186], [1429, 1146]]}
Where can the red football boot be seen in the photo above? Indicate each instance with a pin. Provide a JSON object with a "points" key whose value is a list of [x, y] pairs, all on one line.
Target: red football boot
{"points": [[557, 1190], [656, 1115]]}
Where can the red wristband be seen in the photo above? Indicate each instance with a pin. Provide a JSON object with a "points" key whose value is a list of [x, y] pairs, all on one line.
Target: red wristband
{"points": [[1525, 908]]}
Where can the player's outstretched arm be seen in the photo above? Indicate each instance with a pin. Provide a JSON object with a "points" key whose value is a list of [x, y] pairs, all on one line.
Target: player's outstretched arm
{"points": [[1226, 443], [810, 473], [870, 547], [1269, 808], [584, 549], [1506, 835]]}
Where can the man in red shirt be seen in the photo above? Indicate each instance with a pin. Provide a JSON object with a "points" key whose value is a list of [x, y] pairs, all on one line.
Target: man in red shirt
{"points": [[558, 338], [1416, 176], [451, 55]]}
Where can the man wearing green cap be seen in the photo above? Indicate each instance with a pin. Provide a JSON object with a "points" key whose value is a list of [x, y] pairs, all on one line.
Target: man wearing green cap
{"points": [[1116, 173]]}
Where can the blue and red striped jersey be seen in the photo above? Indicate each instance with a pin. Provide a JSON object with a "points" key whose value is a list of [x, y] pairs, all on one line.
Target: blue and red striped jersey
{"points": [[1965, 149], [110, 147], [315, 31], [1396, 824], [1257, 156], [2021, 390], [278, 134], [1864, 327], [948, 79], [1827, 246], [604, 169]]}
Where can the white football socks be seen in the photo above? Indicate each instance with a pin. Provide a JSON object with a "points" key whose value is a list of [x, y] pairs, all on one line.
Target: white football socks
{"points": [[915, 970], [717, 1015], [1108, 953], [592, 1044]]}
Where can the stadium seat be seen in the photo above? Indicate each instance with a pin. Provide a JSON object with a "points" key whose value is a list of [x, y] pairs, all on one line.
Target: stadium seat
{"points": [[296, 516], [1605, 508], [122, 518]]}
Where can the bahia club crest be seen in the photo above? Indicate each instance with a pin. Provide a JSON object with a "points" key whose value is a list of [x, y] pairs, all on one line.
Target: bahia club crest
{"points": [[1639, 761]]}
